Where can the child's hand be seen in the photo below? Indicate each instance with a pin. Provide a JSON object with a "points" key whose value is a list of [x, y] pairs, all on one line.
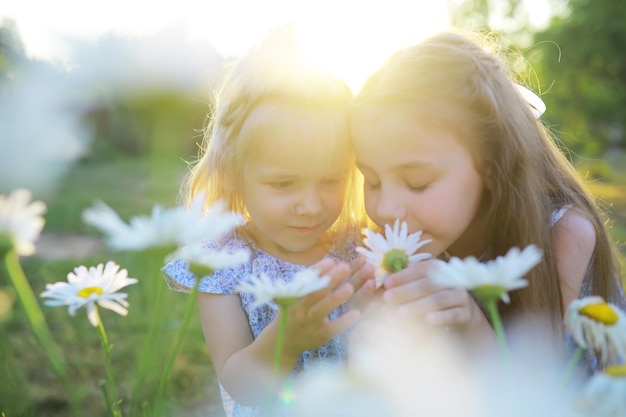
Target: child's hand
{"points": [[308, 325], [416, 295], [362, 279]]}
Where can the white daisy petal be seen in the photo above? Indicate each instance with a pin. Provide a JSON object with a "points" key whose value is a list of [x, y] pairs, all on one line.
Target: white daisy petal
{"points": [[21, 220], [178, 226], [396, 238], [214, 259], [88, 286], [604, 394], [599, 327], [505, 272], [264, 289]]}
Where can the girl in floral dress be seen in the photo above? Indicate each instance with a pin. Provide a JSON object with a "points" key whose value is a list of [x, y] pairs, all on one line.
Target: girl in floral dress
{"points": [[277, 151]]}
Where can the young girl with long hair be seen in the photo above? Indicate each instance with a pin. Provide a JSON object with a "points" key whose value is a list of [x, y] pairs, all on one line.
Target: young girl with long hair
{"points": [[448, 143], [278, 152]]}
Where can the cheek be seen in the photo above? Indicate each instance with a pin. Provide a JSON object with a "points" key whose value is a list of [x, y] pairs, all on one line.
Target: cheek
{"points": [[371, 202], [334, 199]]}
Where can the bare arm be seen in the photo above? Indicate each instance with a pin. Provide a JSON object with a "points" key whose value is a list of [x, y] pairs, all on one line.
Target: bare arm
{"points": [[574, 240], [244, 365]]}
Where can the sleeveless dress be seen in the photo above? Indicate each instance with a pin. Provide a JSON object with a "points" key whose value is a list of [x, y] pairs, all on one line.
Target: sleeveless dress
{"points": [[590, 362], [224, 281]]}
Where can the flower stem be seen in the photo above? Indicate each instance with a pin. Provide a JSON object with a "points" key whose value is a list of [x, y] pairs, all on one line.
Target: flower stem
{"points": [[280, 340], [113, 403], [189, 311], [492, 309], [571, 364], [38, 323]]}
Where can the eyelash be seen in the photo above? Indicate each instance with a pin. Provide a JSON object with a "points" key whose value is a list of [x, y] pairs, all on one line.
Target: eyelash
{"points": [[331, 182], [411, 188], [372, 186], [419, 189], [281, 185]]}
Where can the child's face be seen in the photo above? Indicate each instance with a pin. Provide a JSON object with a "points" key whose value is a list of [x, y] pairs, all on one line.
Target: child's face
{"points": [[294, 191], [422, 175]]}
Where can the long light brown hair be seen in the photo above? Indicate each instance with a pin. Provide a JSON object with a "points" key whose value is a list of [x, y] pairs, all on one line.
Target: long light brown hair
{"points": [[452, 81]]}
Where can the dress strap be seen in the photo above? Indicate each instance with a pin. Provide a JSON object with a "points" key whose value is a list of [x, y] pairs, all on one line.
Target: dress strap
{"points": [[557, 214]]}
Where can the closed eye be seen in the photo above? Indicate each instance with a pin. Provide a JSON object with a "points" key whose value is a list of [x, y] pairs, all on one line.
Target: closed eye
{"points": [[330, 182], [282, 185], [372, 186], [417, 188]]}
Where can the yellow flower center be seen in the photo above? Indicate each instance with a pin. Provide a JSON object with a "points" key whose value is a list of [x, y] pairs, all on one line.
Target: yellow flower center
{"points": [[600, 312], [616, 370], [395, 260], [87, 291]]}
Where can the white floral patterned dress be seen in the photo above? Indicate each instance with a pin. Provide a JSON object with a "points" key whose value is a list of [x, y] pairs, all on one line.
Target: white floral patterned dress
{"points": [[224, 281]]}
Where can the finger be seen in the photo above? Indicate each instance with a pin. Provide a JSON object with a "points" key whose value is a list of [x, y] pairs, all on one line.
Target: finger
{"points": [[322, 308], [457, 316], [323, 266], [364, 295], [341, 324], [442, 300], [360, 276], [337, 273], [408, 274], [410, 291]]}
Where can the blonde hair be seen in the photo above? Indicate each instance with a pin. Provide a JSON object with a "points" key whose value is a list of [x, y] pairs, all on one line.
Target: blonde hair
{"points": [[247, 106], [453, 82]]}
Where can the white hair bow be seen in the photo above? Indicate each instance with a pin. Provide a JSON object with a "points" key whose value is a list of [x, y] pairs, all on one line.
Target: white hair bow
{"points": [[537, 106]]}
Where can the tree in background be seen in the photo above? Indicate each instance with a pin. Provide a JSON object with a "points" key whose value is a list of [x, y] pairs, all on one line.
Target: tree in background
{"points": [[581, 66]]}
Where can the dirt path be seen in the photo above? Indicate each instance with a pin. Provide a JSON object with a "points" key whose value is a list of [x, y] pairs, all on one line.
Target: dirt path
{"points": [[59, 245]]}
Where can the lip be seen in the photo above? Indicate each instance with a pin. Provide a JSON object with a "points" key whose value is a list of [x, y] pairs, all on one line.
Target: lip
{"points": [[305, 231]]}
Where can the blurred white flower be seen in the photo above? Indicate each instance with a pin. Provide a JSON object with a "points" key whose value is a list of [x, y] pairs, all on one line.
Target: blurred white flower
{"points": [[599, 327], [392, 252], [394, 368], [42, 133], [88, 286], [177, 226], [21, 220], [204, 261], [166, 59], [264, 289], [604, 395], [494, 278], [332, 391]]}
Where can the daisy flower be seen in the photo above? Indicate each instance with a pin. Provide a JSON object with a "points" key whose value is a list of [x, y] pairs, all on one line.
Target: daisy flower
{"points": [[203, 261], [264, 289], [90, 286], [604, 395], [493, 279], [165, 227], [21, 220], [394, 251], [598, 326]]}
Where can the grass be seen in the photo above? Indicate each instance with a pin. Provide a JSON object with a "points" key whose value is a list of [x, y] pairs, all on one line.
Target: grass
{"points": [[142, 340]]}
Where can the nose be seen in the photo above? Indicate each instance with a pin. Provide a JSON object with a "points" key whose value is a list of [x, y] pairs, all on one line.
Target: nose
{"points": [[389, 206], [309, 201]]}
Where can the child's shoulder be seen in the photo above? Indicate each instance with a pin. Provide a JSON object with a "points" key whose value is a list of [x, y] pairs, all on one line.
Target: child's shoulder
{"points": [[574, 241], [179, 277], [571, 224]]}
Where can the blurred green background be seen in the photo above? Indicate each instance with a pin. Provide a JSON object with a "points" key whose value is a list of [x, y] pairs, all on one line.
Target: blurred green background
{"points": [[141, 141]]}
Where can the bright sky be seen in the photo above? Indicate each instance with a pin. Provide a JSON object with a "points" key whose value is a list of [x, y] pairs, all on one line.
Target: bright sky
{"points": [[350, 37]]}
